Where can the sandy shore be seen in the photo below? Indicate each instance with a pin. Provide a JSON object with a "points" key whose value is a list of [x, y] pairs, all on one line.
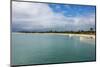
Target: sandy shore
{"points": [[81, 35]]}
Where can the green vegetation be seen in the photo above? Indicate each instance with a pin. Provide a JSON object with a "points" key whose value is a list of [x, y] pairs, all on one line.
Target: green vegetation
{"points": [[91, 31]]}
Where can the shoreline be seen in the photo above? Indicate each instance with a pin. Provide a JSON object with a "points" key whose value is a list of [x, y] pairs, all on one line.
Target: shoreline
{"points": [[92, 36]]}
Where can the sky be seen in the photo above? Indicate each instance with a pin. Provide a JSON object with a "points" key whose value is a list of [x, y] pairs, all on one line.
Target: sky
{"points": [[29, 16]]}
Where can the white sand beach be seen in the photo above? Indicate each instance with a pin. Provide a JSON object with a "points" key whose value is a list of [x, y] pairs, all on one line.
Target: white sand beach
{"points": [[69, 34]]}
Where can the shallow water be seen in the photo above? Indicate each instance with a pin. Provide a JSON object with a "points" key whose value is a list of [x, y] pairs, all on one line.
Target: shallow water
{"points": [[50, 48]]}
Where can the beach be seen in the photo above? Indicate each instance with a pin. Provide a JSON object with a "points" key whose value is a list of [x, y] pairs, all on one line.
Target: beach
{"points": [[69, 34]]}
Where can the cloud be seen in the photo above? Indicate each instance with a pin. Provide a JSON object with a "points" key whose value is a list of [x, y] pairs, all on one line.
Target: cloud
{"points": [[40, 16]]}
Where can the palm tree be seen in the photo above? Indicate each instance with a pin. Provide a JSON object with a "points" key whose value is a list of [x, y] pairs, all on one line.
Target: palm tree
{"points": [[91, 29]]}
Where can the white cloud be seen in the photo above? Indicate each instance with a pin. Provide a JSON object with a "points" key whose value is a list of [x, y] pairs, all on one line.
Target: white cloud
{"points": [[31, 16]]}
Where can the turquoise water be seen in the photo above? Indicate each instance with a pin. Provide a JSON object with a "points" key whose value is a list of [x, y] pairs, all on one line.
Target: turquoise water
{"points": [[50, 48]]}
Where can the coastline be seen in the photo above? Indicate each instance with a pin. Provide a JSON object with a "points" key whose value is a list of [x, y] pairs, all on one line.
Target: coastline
{"points": [[92, 36]]}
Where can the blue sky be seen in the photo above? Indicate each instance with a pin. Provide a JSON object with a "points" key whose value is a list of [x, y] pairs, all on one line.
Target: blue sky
{"points": [[73, 10], [43, 17]]}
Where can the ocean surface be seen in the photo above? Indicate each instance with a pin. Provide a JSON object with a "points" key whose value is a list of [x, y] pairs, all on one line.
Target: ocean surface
{"points": [[50, 48]]}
